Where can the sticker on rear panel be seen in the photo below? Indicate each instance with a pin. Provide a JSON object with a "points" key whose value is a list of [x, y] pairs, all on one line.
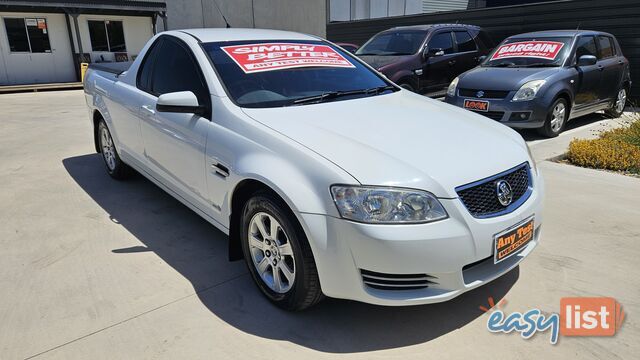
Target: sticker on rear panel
{"points": [[548, 50], [278, 56]]}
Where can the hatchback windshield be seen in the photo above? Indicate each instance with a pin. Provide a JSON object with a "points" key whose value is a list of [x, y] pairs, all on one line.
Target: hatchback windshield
{"points": [[259, 74], [393, 43], [530, 52]]}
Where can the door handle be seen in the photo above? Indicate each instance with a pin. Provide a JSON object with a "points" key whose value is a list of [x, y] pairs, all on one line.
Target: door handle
{"points": [[147, 109], [452, 62], [600, 67]]}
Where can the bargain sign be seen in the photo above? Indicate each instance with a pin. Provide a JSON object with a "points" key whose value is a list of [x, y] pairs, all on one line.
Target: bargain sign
{"points": [[548, 50], [253, 58]]}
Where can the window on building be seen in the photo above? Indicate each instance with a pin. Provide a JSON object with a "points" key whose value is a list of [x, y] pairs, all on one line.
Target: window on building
{"points": [[27, 35], [464, 41], [606, 47], [107, 35]]}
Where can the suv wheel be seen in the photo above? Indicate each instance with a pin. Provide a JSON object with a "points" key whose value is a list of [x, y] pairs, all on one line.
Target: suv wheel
{"points": [[278, 254], [556, 118], [617, 106]]}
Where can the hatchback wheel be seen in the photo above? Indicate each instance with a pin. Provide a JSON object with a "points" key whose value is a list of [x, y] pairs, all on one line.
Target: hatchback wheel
{"points": [[115, 167], [556, 118], [617, 106], [278, 254]]}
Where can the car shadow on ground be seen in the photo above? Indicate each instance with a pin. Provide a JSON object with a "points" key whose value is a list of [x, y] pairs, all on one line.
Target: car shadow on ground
{"points": [[533, 134], [198, 251]]}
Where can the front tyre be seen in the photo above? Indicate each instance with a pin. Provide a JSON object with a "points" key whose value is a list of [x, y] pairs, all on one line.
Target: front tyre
{"points": [[115, 167], [278, 254], [617, 106], [556, 118]]}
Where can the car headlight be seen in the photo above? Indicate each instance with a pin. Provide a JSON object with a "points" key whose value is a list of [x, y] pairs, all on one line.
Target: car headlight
{"points": [[529, 90], [380, 205], [451, 91], [533, 161]]}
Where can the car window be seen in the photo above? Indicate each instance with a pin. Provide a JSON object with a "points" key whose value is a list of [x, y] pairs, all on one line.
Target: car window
{"points": [[586, 46], [464, 41], [144, 74], [263, 74], [606, 47], [441, 41], [175, 70], [393, 43]]}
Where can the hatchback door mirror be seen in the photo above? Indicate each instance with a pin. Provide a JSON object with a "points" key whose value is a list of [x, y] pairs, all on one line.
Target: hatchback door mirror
{"points": [[587, 60], [481, 59], [180, 102]]}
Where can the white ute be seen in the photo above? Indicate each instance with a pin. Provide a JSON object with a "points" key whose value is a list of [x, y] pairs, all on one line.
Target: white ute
{"points": [[328, 179]]}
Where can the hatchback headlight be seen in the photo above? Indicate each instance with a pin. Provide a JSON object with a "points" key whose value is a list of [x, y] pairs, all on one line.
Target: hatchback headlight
{"points": [[529, 90], [380, 205], [451, 91]]}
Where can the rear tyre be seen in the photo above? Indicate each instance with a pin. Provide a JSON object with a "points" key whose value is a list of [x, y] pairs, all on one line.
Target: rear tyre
{"points": [[277, 253], [556, 118], [617, 106], [115, 167]]}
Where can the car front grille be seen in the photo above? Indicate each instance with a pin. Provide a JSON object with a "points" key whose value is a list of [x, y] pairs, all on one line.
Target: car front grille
{"points": [[481, 199], [394, 282], [487, 94], [494, 115]]}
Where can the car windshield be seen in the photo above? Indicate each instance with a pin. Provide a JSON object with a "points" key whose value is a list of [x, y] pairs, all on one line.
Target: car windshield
{"points": [[393, 43], [275, 73], [530, 52]]}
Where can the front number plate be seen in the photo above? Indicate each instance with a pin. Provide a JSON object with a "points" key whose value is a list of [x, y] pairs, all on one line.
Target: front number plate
{"points": [[476, 105], [510, 241]]}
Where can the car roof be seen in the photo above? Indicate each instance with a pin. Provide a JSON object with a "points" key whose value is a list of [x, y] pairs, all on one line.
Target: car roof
{"points": [[427, 27], [552, 33], [239, 34]]}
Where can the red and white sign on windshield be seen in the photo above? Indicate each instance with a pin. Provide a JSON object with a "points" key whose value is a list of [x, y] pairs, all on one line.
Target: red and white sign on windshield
{"points": [[276, 56], [548, 50]]}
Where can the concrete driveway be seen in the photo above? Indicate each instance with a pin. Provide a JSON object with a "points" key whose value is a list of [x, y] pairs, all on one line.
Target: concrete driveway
{"points": [[95, 268]]}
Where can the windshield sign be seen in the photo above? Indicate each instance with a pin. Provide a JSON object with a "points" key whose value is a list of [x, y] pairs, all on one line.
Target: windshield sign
{"points": [[531, 52], [275, 73], [534, 49], [276, 56]]}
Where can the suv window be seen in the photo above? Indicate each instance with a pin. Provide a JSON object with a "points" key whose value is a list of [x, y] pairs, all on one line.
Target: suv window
{"points": [[464, 41], [441, 41], [586, 46], [174, 69], [393, 43], [606, 47]]}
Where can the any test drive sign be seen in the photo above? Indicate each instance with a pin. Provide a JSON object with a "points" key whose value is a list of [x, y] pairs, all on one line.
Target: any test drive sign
{"points": [[276, 56], [548, 50]]}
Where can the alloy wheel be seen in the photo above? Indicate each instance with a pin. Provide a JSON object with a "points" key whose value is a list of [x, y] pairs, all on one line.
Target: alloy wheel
{"points": [[621, 100], [271, 252], [558, 116], [108, 150]]}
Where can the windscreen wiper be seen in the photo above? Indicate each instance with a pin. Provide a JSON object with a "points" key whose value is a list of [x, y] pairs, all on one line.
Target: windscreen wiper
{"points": [[540, 65], [336, 94]]}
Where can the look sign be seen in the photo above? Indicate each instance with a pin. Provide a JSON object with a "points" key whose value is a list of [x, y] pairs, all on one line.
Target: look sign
{"points": [[253, 58]]}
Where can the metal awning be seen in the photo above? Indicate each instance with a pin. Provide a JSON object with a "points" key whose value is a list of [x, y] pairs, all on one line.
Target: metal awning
{"points": [[85, 6]]}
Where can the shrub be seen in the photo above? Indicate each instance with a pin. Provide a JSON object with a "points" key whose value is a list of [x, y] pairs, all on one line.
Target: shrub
{"points": [[607, 152]]}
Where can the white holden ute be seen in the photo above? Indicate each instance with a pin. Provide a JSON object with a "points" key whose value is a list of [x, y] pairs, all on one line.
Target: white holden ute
{"points": [[329, 179]]}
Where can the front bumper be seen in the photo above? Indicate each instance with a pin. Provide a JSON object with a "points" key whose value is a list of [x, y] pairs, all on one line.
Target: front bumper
{"points": [[508, 113], [456, 254]]}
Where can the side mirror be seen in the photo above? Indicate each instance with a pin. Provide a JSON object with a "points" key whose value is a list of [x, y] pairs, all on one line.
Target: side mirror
{"points": [[587, 60], [482, 58], [180, 102]]}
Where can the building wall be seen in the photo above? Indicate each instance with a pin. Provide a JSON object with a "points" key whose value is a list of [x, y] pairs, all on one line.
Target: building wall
{"points": [[31, 68], [306, 16], [137, 31]]}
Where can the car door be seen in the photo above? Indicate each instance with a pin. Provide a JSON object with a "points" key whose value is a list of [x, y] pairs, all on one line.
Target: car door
{"points": [[466, 56], [589, 77], [611, 66], [439, 62], [174, 143]]}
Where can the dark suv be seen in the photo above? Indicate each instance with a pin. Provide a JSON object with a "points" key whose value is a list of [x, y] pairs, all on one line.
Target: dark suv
{"points": [[543, 79], [426, 58]]}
